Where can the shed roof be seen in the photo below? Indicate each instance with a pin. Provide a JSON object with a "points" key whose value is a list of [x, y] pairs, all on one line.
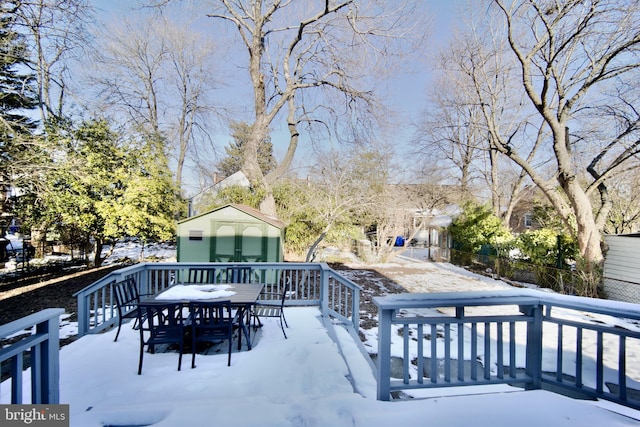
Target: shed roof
{"points": [[624, 235], [247, 210]]}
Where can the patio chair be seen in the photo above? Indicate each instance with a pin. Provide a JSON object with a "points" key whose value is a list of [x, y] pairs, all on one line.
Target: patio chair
{"points": [[271, 304], [161, 323], [202, 275], [127, 299], [239, 274], [211, 321]]}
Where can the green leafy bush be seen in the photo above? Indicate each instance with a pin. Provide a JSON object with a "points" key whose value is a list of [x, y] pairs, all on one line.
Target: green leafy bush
{"points": [[547, 247], [476, 227]]}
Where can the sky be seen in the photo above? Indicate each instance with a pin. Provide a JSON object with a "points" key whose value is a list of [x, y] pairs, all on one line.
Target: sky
{"points": [[299, 381]]}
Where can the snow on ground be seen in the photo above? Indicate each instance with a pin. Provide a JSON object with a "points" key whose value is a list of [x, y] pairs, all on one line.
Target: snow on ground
{"points": [[300, 381]]}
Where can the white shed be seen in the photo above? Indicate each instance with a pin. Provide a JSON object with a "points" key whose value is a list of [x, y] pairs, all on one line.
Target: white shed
{"points": [[622, 267]]}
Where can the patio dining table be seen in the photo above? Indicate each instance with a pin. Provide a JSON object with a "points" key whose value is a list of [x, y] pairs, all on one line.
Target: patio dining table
{"points": [[241, 295]]}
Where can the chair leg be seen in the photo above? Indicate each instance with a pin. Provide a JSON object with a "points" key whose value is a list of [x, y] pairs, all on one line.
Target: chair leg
{"points": [[140, 362], [193, 351], [256, 317], [119, 326], [284, 318], [282, 327]]}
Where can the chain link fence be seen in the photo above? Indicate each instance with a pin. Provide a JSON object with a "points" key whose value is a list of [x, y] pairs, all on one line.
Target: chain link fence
{"points": [[621, 290], [519, 273]]}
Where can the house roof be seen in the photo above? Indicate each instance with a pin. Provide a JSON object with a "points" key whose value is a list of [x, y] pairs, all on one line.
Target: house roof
{"points": [[247, 210]]}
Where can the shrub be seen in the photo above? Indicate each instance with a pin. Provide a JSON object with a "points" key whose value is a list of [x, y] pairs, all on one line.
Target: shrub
{"points": [[476, 227]]}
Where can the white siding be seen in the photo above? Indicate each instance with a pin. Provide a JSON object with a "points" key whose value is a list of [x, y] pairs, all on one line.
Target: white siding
{"points": [[622, 260], [622, 268]]}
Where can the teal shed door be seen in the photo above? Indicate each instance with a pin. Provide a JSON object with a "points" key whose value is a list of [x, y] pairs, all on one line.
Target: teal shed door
{"points": [[238, 242]]}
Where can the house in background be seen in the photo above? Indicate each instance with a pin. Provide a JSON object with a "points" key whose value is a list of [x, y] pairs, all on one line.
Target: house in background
{"points": [[196, 203], [232, 233]]}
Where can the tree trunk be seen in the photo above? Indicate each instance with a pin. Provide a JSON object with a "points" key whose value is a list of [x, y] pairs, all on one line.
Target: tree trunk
{"points": [[268, 205], [38, 241], [588, 234], [97, 250]]}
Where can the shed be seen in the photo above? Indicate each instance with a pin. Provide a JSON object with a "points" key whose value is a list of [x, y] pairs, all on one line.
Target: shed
{"points": [[232, 233], [622, 267]]}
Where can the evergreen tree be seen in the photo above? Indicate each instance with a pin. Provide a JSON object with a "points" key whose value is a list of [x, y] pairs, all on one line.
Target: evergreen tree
{"points": [[241, 132], [151, 200], [17, 98]]}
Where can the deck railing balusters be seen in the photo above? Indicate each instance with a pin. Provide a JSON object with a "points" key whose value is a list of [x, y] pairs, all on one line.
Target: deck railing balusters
{"points": [[474, 351], [500, 350], [622, 368], [434, 353], [487, 351], [578, 374], [460, 332], [560, 353], [311, 284], [420, 339], [604, 380], [512, 349], [599, 363]]}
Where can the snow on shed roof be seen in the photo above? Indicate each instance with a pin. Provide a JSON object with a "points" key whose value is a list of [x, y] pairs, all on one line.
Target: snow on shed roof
{"points": [[247, 210]]}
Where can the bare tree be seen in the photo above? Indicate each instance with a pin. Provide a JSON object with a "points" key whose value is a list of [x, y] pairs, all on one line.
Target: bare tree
{"points": [[450, 132], [624, 216], [192, 79], [574, 58], [56, 33], [311, 63], [157, 75], [354, 186], [473, 79]]}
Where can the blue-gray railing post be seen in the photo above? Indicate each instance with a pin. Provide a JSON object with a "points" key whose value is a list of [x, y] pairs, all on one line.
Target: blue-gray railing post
{"points": [[44, 346], [83, 316], [47, 389], [355, 314], [324, 290], [384, 354], [534, 345], [142, 280]]}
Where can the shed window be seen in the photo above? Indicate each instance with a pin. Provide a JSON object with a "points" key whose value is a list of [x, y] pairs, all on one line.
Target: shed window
{"points": [[528, 220], [195, 234]]}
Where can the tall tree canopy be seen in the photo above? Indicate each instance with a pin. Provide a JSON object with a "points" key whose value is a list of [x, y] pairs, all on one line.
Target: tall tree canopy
{"points": [[579, 65], [571, 122], [305, 65]]}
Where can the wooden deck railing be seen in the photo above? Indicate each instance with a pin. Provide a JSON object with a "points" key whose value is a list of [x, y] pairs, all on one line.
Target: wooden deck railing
{"points": [[566, 346], [310, 284], [43, 347]]}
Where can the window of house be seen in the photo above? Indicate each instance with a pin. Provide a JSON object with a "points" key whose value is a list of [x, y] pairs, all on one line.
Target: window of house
{"points": [[195, 234], [528, 220]]}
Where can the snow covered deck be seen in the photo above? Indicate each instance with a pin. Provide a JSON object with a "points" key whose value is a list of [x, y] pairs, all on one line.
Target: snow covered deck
{"points": [[306, 380]]}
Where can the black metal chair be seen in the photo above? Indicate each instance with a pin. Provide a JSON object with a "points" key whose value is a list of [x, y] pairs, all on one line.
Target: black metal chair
{"points": [[161, 323], [239, 275], [211, 321], [271, 304], [202, 275], [128, 298]]}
